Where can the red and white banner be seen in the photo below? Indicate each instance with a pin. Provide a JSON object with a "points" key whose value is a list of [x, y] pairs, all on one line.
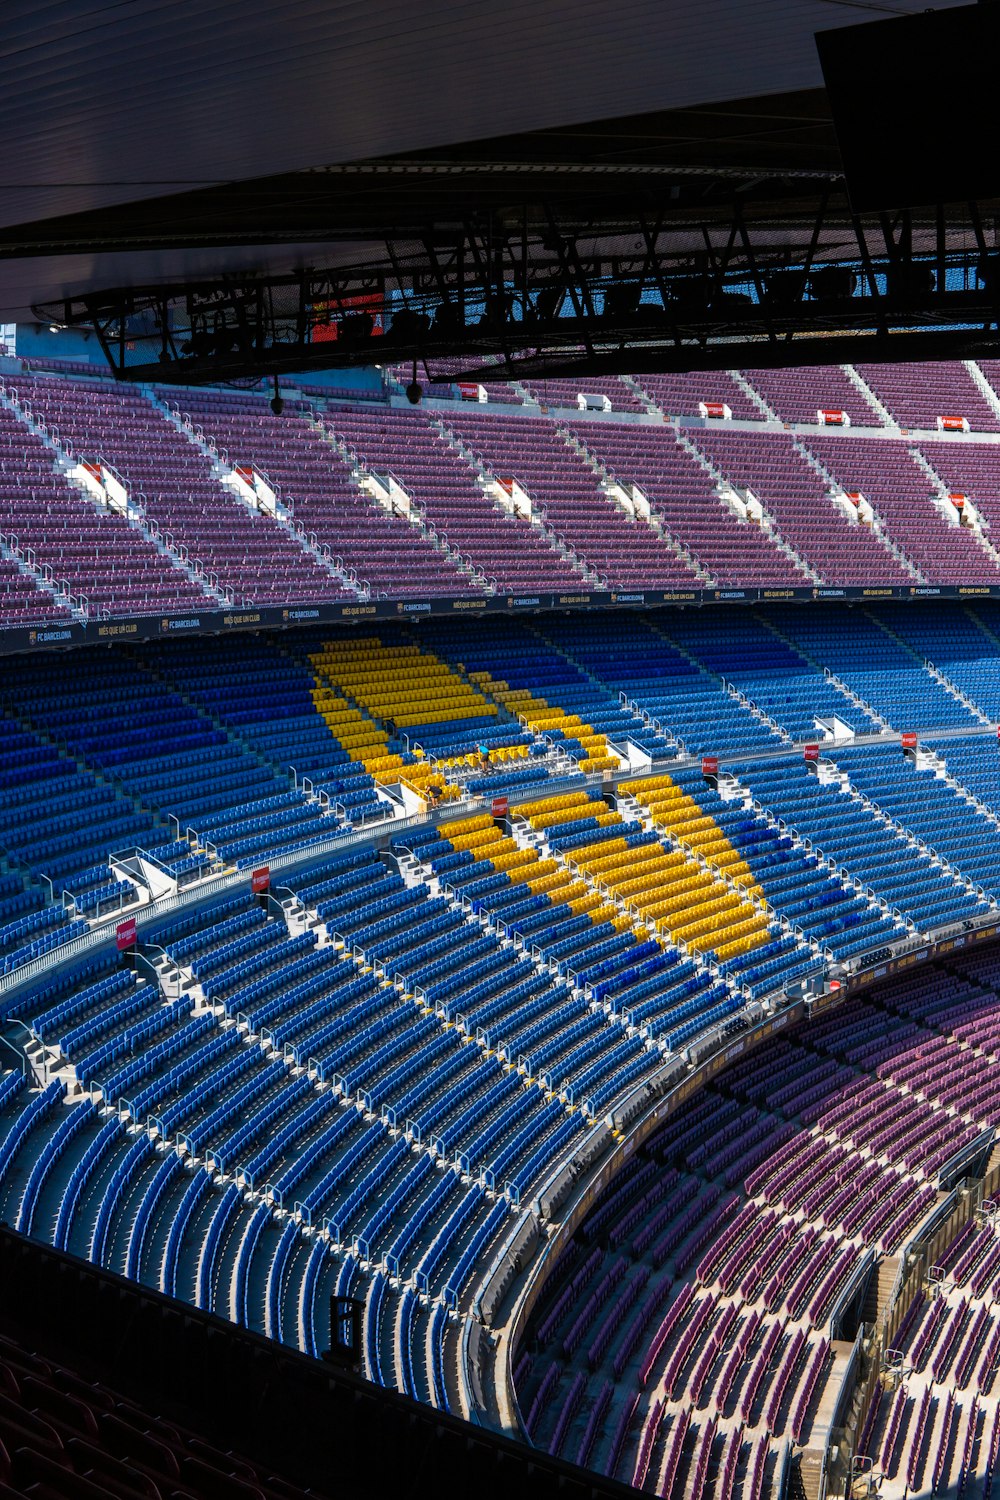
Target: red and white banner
{"points": [[710, 765], [854, 496], [260, 880], [810, 752], [953, 424], [716, 409], [470, 391], [909, 740], [498, 807], [958, 501], [125, 934], [832, 418]]}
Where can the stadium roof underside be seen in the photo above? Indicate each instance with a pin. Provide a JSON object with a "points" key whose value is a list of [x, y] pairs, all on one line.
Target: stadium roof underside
{"points": [[558, 267], [710, 230]]}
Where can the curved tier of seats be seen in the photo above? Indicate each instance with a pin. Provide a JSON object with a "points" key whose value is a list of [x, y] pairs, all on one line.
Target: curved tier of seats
{"points": [[702, 1316], [116, 499]]}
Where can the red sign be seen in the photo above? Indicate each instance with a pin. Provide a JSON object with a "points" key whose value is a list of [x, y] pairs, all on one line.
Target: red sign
{"points": [[832, 418], [952, 424], [715, 409], [125, 934], [710, 765], [260, 880], [498, 807], [854, 496], [468, 390], [810, 752], [958, 501], [909, 740], [333, 317]]}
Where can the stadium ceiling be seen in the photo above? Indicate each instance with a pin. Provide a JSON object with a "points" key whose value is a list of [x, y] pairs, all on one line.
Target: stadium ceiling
{"points": [[221, 189]]}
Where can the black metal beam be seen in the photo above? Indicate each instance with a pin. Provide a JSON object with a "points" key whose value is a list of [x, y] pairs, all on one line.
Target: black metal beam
{"points": [[664, 287]]}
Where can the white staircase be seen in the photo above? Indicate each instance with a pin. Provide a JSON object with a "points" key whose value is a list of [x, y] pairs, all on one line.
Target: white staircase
{"points": [[515, 504], [118, 499], [941, 496], [912, 840], [940, 758], [725, 490], [864, 389], [387, 492], [641, 395], [624, 501], [41, 575], [753, 394], [932, 671], [838, 683], [955, 691], [876, 527], [247, 494], [983, 386], [103, 488]]}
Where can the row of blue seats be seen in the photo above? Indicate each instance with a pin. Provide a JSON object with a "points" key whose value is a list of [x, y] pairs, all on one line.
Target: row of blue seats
{"points": [[262, 1120], [109, 1137], [341, 1171], [209, 936], [210, 1086], [533, 1023], [136, 1001], [43, 1023], [338, 1222], [263, 1078], [220, 985], [445, 1239], [114, 1196], [255, 1170], [394, 1046], [133, 1039], [239, 946], [172, 1079], [55, 937], [120, 1082], [349, 1028], [76, 1119], [346, 1120]]}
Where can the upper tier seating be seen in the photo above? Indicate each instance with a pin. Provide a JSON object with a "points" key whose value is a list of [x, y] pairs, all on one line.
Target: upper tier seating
{"points": [[95, 551], [441, 381], [622, 552], [682, 495], [773, 467], [512, 553], [562, 394], [375, 499], [797, 395], [248, 552], [918, 394], [385, 553], [900, 492], [682, 395]]}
